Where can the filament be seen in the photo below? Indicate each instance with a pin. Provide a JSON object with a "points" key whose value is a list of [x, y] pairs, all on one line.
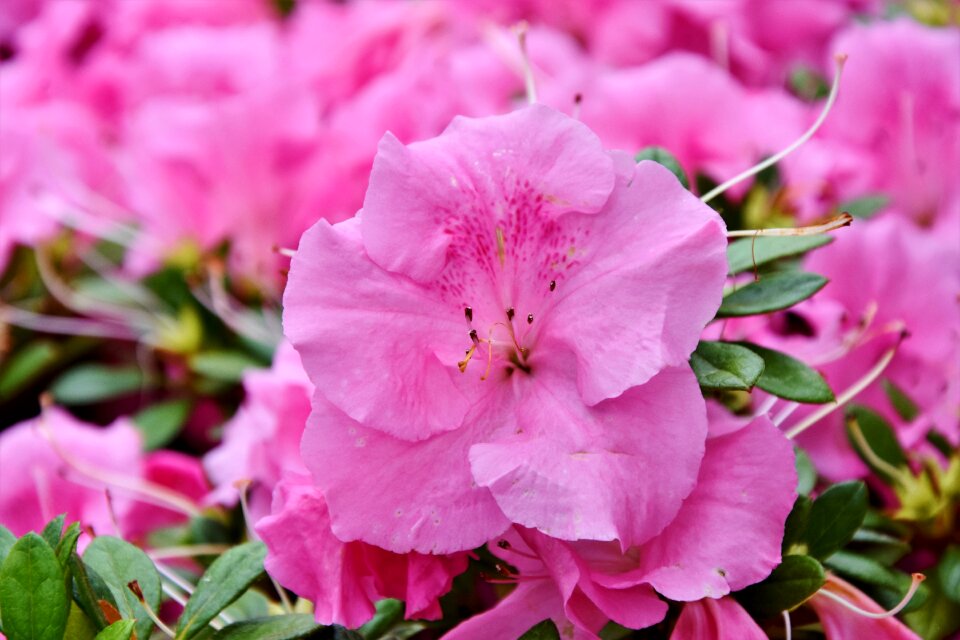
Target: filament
{"points": [[847, 395], [135, 588], [915, 580], [834, 223], [799, 142], [897, 474], [788, 628], [529, 84]]}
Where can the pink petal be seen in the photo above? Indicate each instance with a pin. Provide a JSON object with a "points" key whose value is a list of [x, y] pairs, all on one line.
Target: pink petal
{"points": [[527, 605], [840, 623], [556, 471], [715, 620]]}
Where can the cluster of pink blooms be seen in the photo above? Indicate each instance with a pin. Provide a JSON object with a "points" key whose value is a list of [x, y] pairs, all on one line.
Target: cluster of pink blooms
{"points": [[491, 306]]}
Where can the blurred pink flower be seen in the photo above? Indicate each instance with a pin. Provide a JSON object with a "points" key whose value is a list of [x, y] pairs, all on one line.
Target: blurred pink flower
{"points": [[345, 579], [726, 536], [895, 129], [518, 240], [262, 441], [710, 619]]}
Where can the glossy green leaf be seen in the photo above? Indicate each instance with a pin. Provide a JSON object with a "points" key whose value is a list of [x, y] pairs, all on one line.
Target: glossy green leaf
{"points": [[225, 366], [791, 584], [79, 626], [786, 377], [667, 159], [795, 529], [225, 581], [865, 207], [772, 292], [119, 630], [545, 630], [33, 599], [746, 253], [26, 365], [806, 473], [835, 517], [119, 563], [87, 584], [68, 544], [724, 365], [879, 436], [286, 627], [389, 612], [939, 617], [949, 573], [161, 422], [7, 540], [90, 383], [877, 545], [905, 407], [53, 530]]}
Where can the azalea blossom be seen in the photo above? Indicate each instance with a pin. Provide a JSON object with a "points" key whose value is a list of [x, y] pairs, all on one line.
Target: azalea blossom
{"points": [[726, 536], [502, 332]]}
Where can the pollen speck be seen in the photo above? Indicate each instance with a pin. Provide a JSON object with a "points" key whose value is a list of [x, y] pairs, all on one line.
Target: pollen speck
{"points": [[553, 285], [530, 319]]}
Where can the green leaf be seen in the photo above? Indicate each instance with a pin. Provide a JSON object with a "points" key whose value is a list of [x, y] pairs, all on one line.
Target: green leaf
{"points": [[90, 383], [865, 207], [771, 293], [806, 473], [79, 626], [26, 365], [389, 613], [225, 581], [119, 563], [835, 517], [7, 540], [879, 436], [84, 591], [949, 573], [877, 545], [887, 585], [806, 83], [787, 377], [160, 423], [795, 528], [53, 530], [32, 595], [119, 630], [746, 253], [905, 407], [545, 630], [724, 365], [790, 585], [225, 366], [665, 158], [67, 545], [286, 627]]}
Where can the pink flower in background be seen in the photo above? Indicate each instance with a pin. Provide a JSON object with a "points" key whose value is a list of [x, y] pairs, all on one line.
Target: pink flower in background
{"points": [[840, 623], [345, 579], [895, 129], [499, 335], [721, 618], [726, 536], [169, 469], [262, 441]]}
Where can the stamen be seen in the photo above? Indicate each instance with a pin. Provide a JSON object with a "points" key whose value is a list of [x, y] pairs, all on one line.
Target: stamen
{"points": [[289, 253], [788, 628], [577, 101], [839, 59], [785, 413], [510, 313], [134, 586], [474, 338], [529, 84], [530, 319], [146, 491], [468, 313], [462, 365], [849, 394], [915, 580], [486, 372], [898, 475], [834, 223], [188, 551], [553, 285]]}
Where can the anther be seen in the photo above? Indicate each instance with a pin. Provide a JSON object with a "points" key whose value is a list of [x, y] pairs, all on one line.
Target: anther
{"points": [[510, 313], [553, 285], [468, 313], [503, 544], [530, 319], [473, 337]]}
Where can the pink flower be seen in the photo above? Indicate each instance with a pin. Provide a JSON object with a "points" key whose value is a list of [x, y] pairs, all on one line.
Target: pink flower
{"points": [[169, 469], [345, 579], [726, 536], [709, 619], [840, 623], [262, 441], [895, 129], [575, 282]]}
